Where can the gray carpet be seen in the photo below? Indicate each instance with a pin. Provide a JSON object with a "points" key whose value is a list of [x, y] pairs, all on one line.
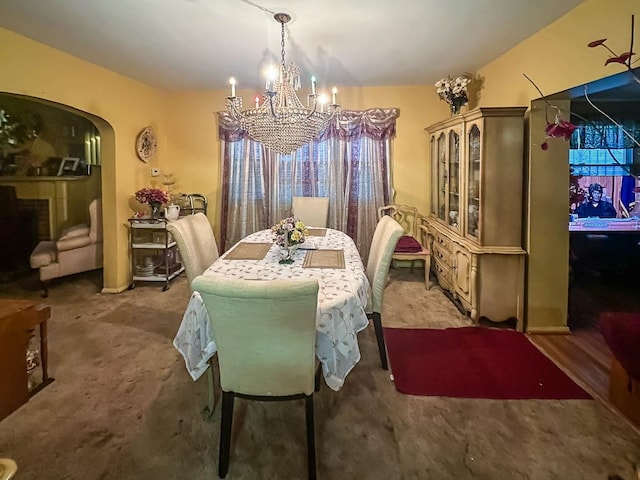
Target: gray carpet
{"points": [[123, 407]]}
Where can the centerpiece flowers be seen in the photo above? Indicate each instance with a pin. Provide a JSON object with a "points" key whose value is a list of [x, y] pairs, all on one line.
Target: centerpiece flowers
{"points": [[289, 233], [153, 197], [453, 91]]}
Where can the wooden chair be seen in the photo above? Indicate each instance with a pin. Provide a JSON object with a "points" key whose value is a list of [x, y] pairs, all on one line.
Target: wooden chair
{"points": [[385, 239], [265, 351], [312, 211], [198, 249], [413, 246]]}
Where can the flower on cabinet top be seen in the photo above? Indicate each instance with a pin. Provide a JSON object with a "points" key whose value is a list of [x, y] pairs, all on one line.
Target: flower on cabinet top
{"points": [[151, 195], [289, 231], [453, 89]]}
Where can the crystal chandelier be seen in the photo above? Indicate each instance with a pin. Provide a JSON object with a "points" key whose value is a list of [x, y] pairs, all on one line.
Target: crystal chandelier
{"points": [[282, 122]]}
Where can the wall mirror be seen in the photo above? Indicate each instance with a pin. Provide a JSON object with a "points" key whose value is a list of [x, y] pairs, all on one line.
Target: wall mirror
{"points": [[42, 139]]}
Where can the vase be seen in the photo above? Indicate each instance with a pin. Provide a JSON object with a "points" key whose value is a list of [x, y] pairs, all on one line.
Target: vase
{"points": [[287, 253], [155, 209], [456, 104]]}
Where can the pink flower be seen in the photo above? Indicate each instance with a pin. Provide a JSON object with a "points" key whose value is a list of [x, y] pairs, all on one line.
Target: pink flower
{"points": [[559, 129], [151, 195]]}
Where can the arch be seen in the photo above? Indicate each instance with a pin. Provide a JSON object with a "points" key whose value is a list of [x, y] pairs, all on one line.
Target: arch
{"points": [[107, 182]]}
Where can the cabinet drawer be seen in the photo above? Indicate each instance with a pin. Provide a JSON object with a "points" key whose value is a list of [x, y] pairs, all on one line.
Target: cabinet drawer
{"points": [[442, 255], [444, 274], [442, 242]]}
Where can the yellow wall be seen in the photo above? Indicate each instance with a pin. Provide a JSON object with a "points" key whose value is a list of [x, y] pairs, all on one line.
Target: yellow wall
{"points": [[556, 58], [30, 68], [194, 152], [186, 126]]}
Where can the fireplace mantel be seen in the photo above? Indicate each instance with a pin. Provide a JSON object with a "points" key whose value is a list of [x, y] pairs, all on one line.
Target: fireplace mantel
{"points": [[68, 197]]}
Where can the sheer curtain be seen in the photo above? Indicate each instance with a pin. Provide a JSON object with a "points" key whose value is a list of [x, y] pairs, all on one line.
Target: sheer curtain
{"points": [[350, 162]]}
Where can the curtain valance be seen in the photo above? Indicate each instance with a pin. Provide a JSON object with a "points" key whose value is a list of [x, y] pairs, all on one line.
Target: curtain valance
{"points": [[375, 123]]}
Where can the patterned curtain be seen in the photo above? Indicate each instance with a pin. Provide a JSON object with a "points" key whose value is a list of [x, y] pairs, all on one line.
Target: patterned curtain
{"points": [[350, 162]]}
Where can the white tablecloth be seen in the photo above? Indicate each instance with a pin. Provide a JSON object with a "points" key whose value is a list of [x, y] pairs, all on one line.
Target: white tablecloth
{"points": [[341, 301]]}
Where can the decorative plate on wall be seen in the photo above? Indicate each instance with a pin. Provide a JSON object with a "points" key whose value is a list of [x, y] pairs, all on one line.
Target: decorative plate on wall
{"points": [[146, 144]]}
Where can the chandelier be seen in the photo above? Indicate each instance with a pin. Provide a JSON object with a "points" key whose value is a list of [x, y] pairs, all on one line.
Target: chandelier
{"points": [[281, 122]]}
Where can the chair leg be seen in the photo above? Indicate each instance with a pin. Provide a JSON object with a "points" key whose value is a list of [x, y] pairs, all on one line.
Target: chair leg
{"points": [[212, 397], [225, 433], [318, 378], [427, 271], [45, 288], [377, 325], [311, 437]]}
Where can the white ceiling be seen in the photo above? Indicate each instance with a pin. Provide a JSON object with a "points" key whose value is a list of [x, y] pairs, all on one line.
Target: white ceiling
{"points": [[199, 44]]}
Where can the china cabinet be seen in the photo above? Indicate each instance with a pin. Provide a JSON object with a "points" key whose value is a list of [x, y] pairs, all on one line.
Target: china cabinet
{"points": [[475, 221], [154, 254]]}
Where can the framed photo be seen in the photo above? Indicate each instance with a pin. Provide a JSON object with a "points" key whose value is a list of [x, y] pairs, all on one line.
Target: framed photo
{"points": [[68, 166]]}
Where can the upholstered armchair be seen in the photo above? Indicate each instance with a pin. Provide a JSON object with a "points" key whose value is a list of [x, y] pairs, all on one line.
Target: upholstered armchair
{"points": [[79, 249]]}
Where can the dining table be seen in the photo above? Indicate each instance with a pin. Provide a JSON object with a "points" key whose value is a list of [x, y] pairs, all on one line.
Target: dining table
{"points": [[328, 255]]}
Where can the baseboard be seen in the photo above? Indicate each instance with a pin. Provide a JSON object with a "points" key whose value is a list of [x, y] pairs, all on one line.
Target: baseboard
{"points": [[114, 290], [548, 330]]}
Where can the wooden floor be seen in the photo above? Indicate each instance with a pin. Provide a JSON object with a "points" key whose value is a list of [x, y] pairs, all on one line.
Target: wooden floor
{"points": [[583, 354]]}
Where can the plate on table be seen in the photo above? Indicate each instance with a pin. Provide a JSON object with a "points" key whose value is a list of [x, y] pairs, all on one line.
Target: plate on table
{"points": [[308, 245]]}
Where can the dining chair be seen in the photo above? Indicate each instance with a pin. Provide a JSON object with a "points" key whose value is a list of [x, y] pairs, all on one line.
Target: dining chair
{"points": [[312, 211], [198, 249], [264, 353], [196, 243], [385, 238], [414, 244]]}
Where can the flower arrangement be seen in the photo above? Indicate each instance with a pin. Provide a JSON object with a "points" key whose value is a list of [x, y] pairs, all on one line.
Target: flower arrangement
{"points": [[453, 91], [151, 196], [289, 231]]}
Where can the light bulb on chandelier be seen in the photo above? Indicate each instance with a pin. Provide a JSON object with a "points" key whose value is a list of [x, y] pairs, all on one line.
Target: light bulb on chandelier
{"points": [[282, 122]]}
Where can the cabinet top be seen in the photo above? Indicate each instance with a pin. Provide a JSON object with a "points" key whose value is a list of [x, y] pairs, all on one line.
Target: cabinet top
{"points": [[480, 112]]}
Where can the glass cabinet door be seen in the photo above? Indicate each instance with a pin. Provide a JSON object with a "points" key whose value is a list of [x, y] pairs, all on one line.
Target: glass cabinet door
{"points": [[473, 183], [453, 218], [442, 176], [434, 171]]}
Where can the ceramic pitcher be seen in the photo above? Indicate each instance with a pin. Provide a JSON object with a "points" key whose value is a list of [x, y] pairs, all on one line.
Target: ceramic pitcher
{"points": [[172, 212]]}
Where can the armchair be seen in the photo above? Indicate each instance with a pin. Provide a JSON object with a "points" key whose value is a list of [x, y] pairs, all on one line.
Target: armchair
{"points": [[79, 249]]}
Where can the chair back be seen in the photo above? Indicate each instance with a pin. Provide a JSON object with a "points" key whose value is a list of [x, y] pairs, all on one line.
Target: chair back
{"points": [[405, 215], [312, 211], [265, 332], [196, 243], [385, 239]]}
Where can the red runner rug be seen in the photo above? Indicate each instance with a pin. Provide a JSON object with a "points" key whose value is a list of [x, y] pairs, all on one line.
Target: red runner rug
{"points": [[474, 362]]}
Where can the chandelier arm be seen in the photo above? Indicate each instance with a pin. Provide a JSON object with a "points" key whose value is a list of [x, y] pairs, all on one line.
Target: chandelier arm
{"points": [[315, 105], [273, 111]]}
